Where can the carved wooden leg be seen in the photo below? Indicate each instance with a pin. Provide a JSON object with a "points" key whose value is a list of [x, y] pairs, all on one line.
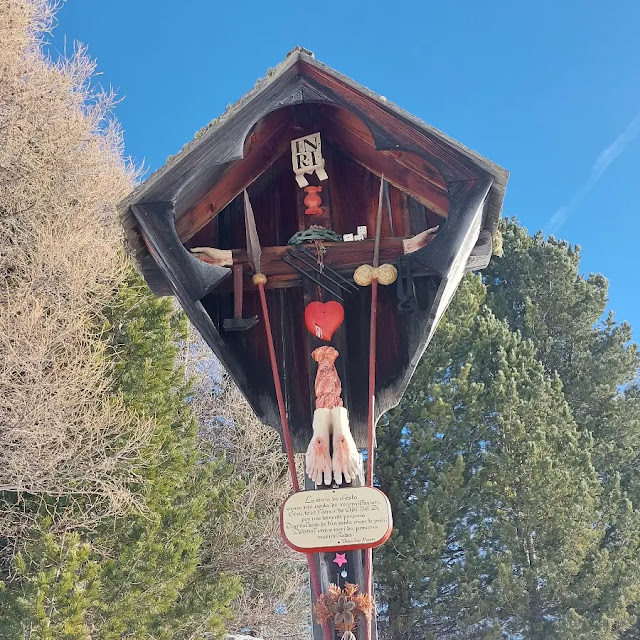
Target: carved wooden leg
{"points": [[318, 460], [347, 461]]}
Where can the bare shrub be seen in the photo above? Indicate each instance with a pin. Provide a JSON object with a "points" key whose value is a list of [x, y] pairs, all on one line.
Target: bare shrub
{"points": [[275, 600], [61, 174]]}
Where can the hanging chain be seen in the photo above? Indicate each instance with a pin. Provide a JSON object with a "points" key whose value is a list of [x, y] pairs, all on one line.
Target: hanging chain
{"points": [[320, 251]]}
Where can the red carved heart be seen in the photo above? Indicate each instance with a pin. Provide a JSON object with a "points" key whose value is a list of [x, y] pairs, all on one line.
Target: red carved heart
{"points": [[323, 318]]}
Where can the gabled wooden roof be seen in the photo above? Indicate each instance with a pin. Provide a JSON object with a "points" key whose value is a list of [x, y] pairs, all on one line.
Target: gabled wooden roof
{"points": [[300, 79], [196, 197]]}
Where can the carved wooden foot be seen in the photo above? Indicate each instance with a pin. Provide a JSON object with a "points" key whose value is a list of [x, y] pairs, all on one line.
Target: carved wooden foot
{"points": [[318, 461], [347, 461]]}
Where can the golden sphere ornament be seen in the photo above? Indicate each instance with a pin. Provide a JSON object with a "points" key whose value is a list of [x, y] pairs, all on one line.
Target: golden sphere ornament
{"points": [[386, 274]]}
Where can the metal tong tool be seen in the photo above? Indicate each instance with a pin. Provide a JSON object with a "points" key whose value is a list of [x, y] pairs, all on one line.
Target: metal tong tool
{"points": [[329, 272], [306, 264], [309, 274]]}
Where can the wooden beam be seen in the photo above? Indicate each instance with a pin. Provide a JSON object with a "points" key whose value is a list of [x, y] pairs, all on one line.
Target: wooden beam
{"points": [[329, 572], [189, 277], [342, 256], [264, 145], [354, 125], [392, 127], [403, 170]]}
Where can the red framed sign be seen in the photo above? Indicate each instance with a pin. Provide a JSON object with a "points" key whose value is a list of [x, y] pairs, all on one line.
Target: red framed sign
{"points": [[336, 520]]}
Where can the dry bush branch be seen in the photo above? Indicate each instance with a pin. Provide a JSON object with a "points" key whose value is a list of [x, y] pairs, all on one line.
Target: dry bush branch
{"points": [[275, 601], [61, 173]]}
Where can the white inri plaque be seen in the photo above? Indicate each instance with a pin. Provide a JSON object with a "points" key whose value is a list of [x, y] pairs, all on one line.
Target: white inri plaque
{"points": [[306, 156]]}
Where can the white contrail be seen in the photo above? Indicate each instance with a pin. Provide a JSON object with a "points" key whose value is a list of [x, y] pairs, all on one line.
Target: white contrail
{"points": [[604, 160]]}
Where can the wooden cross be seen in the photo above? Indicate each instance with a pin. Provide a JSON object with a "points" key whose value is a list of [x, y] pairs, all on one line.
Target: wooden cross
{"points": [[345, 257]]}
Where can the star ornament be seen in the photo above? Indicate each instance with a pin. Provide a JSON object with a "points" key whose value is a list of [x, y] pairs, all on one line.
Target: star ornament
{"points": [[340, 559]]}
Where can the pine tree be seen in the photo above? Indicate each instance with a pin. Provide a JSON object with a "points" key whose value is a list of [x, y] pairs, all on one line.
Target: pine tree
{"points": [[537, 288], [151, 584], [511, 515], [423, 475], [137, 576], [58, 584]]}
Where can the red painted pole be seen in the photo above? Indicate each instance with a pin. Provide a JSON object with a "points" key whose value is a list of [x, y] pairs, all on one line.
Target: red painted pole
{"points": [[371, 427], [260, 279], [372, 380], [276, 381]]}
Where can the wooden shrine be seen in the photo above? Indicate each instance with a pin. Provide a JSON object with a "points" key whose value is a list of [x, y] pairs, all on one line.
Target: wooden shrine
{"points": [[315, 234]]}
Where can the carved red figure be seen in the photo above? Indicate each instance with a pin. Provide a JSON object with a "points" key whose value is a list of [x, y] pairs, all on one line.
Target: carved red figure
{"points": [[328, 386]]}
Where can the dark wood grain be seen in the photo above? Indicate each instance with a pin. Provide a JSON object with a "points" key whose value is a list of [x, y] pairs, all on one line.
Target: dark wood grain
{"points": [[329, 573], [188, 276], [345, 120], [395, 167], [312, 292], [268, 141], [389, 130], [352, 196]]}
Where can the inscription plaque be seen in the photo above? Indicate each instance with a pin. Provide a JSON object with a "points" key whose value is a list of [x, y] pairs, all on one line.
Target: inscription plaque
{"points": [[336, 519]]}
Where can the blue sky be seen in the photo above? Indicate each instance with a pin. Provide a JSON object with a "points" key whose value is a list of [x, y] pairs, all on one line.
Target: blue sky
{"points": [[550, 90]]}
